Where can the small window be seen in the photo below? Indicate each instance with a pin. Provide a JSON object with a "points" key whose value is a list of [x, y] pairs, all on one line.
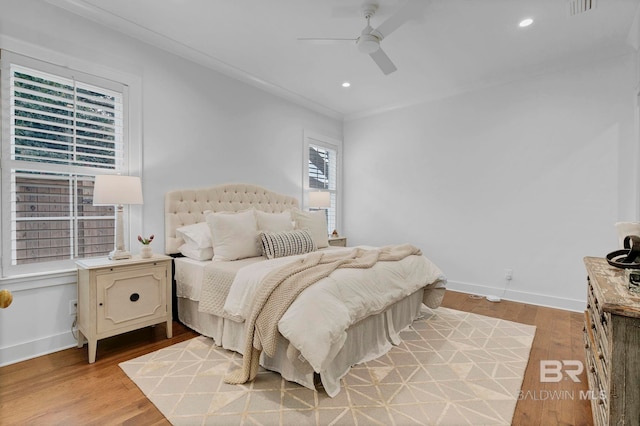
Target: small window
{"points": [[322, 174]]}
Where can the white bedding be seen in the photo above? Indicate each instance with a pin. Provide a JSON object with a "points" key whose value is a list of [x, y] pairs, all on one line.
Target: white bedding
{"points": [[247, 280], [334, 303], [333, 359]]}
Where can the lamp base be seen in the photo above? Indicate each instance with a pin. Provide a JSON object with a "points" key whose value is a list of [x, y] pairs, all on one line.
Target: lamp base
{"points": [[119, 255]]}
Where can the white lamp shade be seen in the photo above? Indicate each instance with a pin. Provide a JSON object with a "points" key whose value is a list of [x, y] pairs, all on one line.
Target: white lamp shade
{"points": [[319, 199], [117, 190], [626, 228]]}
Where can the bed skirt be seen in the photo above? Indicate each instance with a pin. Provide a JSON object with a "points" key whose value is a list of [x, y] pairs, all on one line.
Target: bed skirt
{"points": [[381, 331]]}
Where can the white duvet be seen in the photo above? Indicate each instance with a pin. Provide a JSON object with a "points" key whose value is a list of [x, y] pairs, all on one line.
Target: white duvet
{"points": [[316, 323]]}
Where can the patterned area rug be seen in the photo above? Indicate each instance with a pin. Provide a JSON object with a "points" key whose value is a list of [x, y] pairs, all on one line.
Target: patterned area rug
{"points": [[452, 368]]}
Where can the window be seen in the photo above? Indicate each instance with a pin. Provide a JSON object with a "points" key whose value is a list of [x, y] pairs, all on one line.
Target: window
{"points": [[60, 128], [322, 173]]}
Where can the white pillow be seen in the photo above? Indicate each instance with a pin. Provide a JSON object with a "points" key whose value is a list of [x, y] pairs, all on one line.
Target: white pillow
{"points": [[197, 235], [314, 222], [235, 235], [196, 253], [274, 222]]}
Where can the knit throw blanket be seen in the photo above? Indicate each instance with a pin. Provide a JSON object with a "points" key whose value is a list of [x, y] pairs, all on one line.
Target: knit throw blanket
{"points": [[281, 287]]}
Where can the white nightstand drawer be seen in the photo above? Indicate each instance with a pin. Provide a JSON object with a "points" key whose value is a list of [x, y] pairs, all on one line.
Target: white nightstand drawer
{"points": [[338, 241], [127, 297]]}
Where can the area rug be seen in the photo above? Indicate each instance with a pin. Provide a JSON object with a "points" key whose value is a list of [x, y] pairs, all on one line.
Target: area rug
{"points": [[452, 368]]}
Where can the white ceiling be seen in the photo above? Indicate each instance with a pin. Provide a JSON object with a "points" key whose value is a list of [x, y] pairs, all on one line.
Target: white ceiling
{"points": [[454, 46]]}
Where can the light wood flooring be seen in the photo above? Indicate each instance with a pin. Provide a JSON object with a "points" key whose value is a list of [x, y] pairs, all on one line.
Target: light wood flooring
{"points": [[62, 388], [558, 337]]}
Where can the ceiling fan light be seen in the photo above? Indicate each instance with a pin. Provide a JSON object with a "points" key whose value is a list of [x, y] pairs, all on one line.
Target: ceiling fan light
{"points": [[368, 44]]}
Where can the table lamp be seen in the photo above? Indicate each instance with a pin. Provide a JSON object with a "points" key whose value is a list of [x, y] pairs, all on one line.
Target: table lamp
{"points": [[117, 190], [319, 200]]}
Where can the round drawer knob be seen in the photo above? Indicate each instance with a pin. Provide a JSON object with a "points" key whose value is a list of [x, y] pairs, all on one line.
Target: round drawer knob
{"points": [[134, 297]]}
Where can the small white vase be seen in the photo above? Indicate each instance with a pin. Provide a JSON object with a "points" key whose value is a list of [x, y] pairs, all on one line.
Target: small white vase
{"points": [[146, 251]]}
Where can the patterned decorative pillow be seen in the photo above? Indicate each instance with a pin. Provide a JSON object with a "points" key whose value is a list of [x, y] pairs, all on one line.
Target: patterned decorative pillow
{"points": [[288, 243]]}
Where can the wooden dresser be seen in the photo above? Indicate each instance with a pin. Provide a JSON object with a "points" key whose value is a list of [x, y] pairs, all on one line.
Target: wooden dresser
{"points": [[612, 342]]}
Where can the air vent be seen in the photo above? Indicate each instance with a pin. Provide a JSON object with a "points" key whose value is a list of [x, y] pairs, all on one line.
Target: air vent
{"points": [[577, 7]]}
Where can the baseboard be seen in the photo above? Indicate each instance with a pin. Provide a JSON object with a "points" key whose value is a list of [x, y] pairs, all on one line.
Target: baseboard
{"points": [[36, 348], [519, 296]]}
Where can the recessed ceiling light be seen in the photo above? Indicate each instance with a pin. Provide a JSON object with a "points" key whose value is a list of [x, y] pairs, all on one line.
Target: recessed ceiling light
{"points": [[346, 84], [526, 22]]}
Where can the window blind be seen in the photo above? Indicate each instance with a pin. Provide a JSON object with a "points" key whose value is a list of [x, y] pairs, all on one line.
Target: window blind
{"points": [[62, 121]]}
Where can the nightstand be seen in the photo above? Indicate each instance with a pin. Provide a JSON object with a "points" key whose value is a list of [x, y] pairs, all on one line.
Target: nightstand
{"points": [[116, 296], [338, 241]]}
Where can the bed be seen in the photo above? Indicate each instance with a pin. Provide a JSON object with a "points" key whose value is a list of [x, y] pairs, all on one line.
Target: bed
{"points": [[203, 288]]}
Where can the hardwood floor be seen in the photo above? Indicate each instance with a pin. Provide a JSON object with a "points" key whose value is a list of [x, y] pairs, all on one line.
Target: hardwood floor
{"points": [[62, 388], [558, 337]]}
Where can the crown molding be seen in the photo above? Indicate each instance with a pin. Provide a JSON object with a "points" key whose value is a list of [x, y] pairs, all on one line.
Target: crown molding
{"points": [[175, 47]]}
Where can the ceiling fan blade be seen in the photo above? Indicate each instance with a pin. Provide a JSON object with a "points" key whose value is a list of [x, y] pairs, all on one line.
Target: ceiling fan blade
{"points": [[409, 10], [326, 40], [383, 61]]}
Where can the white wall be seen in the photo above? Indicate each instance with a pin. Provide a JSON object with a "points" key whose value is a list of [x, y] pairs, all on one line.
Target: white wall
{"points": [[530, 175], [199, 128], [224, 131]]}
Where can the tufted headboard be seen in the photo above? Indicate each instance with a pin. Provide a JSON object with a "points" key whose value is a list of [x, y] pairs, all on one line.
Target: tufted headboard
{"points": [[187, 206]]}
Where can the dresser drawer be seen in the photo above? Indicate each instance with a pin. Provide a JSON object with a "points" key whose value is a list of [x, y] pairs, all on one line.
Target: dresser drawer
{"points": [[599, 406], [603, 318], [599, 324], [129, 296]]}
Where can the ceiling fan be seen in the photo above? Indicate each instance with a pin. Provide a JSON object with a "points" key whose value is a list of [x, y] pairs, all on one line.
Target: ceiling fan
{"points": [[369, 40]]}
